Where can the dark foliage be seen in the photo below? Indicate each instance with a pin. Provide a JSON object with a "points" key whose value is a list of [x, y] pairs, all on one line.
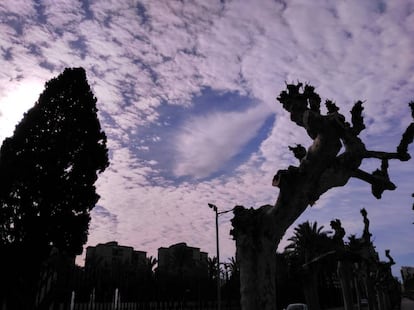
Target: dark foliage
{"points": [[47, 172]]}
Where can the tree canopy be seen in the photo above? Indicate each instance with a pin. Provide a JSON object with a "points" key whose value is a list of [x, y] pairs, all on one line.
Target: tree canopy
{"points": [[49, 166]]}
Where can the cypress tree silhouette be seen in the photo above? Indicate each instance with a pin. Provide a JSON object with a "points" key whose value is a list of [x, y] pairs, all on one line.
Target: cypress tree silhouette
{"points": [[47, 173]]}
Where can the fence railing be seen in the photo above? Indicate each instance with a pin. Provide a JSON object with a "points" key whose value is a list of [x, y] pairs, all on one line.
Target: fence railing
{"points": [[162, 305]]}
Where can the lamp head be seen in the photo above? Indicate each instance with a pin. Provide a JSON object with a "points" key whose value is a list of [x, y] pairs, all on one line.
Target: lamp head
{"points": [[212, 206]]}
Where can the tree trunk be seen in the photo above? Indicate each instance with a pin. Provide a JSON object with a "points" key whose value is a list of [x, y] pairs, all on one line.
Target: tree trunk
{"points": [[387, 300], [310, 289], [380, 299], [257, 233], [372, 302], [344, 274], [256, 254], [357, 292]]}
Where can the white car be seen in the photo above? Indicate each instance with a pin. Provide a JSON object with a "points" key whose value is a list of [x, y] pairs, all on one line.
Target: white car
{"points": [[297, 307]]}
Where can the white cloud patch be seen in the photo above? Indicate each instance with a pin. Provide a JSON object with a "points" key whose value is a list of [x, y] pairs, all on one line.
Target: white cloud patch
{"points": [[205, 143]]}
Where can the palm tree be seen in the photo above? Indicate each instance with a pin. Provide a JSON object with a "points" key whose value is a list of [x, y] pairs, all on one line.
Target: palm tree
{"points": [[233, 281], [234, 268], [151, 262], [212, 268], [307, 245], [148, 287]]}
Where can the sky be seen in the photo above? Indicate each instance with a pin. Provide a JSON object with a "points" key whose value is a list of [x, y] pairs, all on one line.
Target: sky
{"points": [[187, 98]]}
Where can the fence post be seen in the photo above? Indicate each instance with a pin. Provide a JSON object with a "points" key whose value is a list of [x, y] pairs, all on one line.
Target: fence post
{"points": [[72, 301]]}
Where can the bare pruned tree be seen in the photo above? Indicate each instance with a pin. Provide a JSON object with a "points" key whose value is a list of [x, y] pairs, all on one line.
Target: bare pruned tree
{"points": [[334, 157]]}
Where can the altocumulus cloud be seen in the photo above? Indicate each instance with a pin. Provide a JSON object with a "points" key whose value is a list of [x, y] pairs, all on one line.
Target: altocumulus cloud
{"points": [[143, 57], [205, 143]]}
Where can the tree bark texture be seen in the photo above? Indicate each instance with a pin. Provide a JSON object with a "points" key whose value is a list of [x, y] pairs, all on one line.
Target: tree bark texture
{"points": [[256, 255]]}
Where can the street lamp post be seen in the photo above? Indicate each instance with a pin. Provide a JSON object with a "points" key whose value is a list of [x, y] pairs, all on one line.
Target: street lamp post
{"points": [[218, 257], [214, 207]]}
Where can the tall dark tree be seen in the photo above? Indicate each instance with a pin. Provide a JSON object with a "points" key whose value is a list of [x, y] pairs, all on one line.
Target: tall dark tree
{"points": [[47, 173], [334, 157], [344, 266]]}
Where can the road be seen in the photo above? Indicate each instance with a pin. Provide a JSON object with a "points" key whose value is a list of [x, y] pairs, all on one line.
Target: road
{"points": [[407, 304]]}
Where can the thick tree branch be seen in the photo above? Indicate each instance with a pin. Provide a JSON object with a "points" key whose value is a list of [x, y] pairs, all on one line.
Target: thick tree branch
{"points": [[407, 137], [391, 260], [321, 168], [385, 155], [379, 182], [298, 151], [357, 119]]}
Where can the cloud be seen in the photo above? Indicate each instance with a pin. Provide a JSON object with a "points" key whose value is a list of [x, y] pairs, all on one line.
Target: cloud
{"points": [[105, 224], [204, 144]]}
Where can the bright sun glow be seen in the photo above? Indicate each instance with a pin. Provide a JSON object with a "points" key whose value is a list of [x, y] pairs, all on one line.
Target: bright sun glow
{"points": [[15, 102]]}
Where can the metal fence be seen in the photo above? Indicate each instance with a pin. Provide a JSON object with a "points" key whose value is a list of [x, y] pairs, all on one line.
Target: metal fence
{"points": [[162, 305]]}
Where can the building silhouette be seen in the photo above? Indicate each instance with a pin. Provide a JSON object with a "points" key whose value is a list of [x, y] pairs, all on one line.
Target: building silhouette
{"points": [[180, 259], [110, 266], [110, 255], [182, 272]]}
